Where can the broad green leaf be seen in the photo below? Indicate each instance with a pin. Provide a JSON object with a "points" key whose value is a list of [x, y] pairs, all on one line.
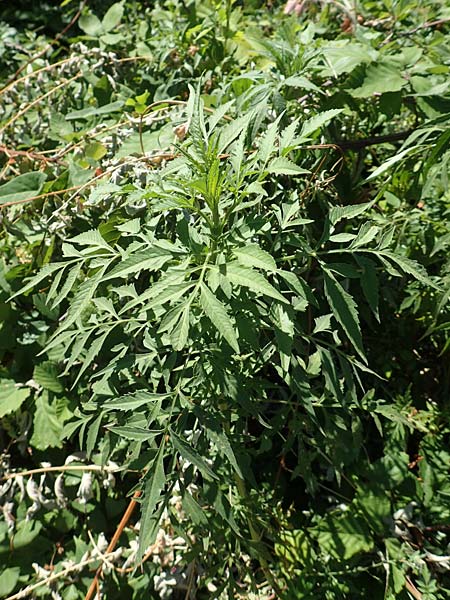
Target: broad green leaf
{"points": [[381, 77], [8, 580], [112, 17], [90, 24], [343, 537], [342, 56], [134, 400], [91, 111], [22, 187], [11, 396], [47, 424], [191, 455], [247, 277], [254, 256], [217, 314], [345, 311], [46, 375], [156, 480], [283, 166]]}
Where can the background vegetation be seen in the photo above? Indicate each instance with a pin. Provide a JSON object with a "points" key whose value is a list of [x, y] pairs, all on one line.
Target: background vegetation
{"points": [[224, 285]]}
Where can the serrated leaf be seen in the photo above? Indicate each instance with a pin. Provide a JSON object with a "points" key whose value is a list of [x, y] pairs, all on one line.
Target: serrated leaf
{"points": [[191, 455], [231, 131], [344, 310], [156, 480], [217, 314], [46, 375], [316, 122], [287, 137], [91, 238], [194, 510], [11, 396], [369, 283], [83, 297], [411, 267], [151, 259], [283, 166], [157, 289], [254, 256], [267, 143], [94, 348], [391, 162], [247, 277], [138, 434], [180, 332], [47, 425], [366, 234], [337, 213], [45, 272], [134, 400]]}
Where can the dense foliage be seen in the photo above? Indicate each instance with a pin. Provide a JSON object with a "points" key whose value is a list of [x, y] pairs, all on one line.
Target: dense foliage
{"points": [[224, 286]]}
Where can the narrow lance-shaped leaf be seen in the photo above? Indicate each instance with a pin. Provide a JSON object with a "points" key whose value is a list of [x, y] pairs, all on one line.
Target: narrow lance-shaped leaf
{"points": [[180, 333], [191, 455], [134, 400], [217, 314], [152, 492], [345, 311]]}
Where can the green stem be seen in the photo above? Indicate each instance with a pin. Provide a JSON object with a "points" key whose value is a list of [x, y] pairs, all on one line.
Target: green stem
{"points": [[255, 532]]}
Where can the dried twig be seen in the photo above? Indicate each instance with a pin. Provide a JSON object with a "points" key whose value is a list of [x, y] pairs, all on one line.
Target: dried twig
{"points": [[48, 47], [20, 113], [53, 577], [59, 469], [112, 544]]}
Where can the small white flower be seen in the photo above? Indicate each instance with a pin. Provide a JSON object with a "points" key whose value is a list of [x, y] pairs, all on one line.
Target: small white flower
{"points": [[84, 492], [40, 571], [61, 497], [7, 509]]}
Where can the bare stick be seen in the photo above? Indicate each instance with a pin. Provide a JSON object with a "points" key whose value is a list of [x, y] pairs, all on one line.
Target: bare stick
{"points": [[112, 544], [42, 52], [51, 578], [61, 469]]}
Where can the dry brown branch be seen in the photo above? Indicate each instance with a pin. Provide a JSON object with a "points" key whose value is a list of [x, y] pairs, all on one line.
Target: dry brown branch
{"points": [[51, 578], [112, 544], [61, 469], [39, 99], [48, 47]]}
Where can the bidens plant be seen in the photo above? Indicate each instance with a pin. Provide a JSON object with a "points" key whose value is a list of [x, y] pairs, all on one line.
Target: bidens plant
{"points": [[221, 323]]}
